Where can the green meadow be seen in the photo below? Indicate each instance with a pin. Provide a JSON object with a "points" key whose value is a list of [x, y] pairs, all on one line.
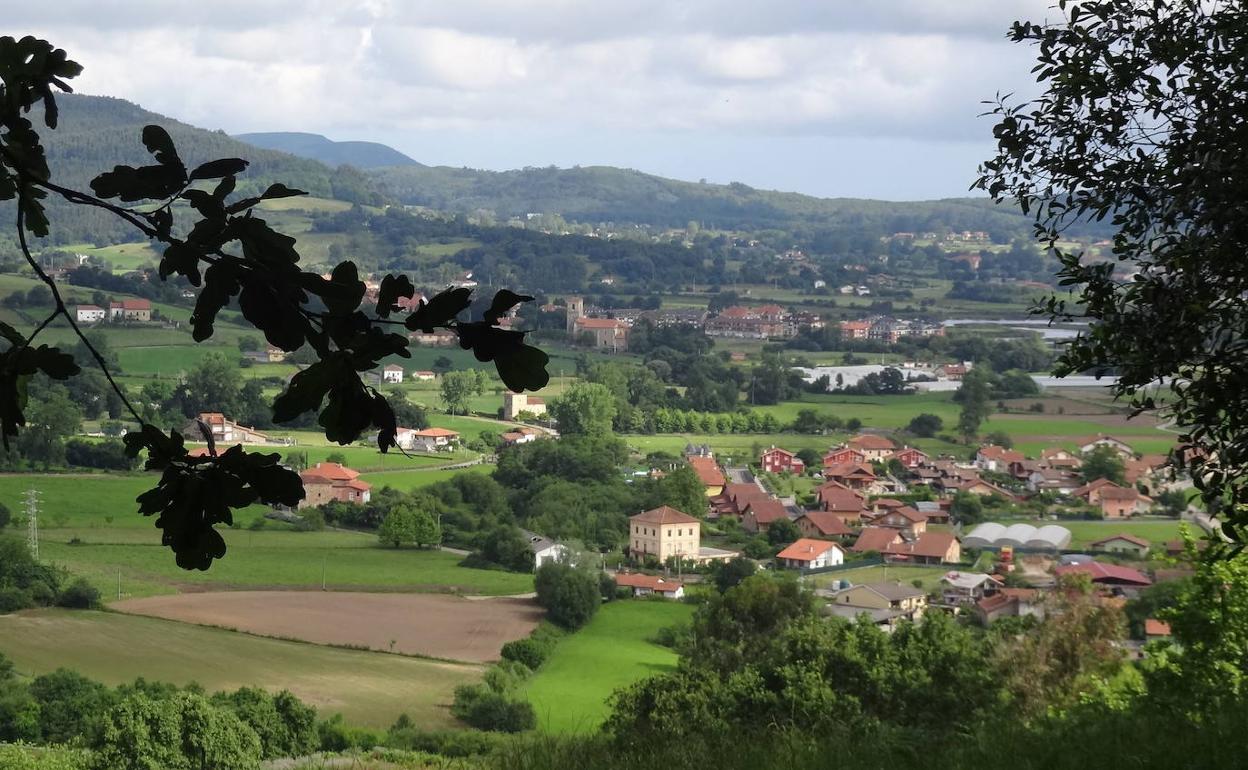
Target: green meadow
{"points": [[570, 691]]}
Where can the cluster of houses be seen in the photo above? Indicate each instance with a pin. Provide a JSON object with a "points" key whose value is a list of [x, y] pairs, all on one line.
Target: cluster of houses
{"points": [[889, 330], [129, 310]]}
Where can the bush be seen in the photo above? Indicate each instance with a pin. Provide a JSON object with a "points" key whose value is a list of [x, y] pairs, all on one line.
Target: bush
{"points": [[530, 653], [13, 599], [79, 595], [569, 595], [447, 743], [479, 706], [336, 736]]}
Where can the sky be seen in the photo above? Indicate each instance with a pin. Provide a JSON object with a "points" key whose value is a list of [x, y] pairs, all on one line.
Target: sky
{"points": [[853, 98]]}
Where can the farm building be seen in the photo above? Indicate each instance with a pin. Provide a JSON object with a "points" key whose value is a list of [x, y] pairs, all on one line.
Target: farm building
{"points": [[645, 585], [1122, 543], [543, 548], [392, 373], [427, 440], [89, 314], [130, 310], [1107, 575], [224, 431]]}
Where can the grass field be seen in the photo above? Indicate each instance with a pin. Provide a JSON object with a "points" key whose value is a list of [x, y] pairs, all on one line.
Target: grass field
{"points": [[1156, 531], [570, 691], [406, 481], [367, 688], [881, 573], [269, 559]]}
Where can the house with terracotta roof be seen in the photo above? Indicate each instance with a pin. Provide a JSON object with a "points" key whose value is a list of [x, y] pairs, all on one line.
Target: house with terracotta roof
{"points": [[808, 553], [997, 458], [927, 548], [836, 498], [130, 310], [605, 333], [777, 460], [1122, 543], [326, 482], [392, 373], [876, 539], [1059, 457], [664, 532], [759, 514], [1114, 500], [735, 498], [1088, 443], [951, 371], [903, 518], [224, 430], [909, 457], [853, 475], [709, 473], [978, 486], [874, 448], [427, 439], [1155, 629], [516, 403], [822, 524], [843, 455], [645, 585]]}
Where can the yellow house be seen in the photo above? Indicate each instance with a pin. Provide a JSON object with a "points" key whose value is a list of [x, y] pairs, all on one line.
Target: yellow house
{"points": [[906, 600], [665, 532], [709, 474]]}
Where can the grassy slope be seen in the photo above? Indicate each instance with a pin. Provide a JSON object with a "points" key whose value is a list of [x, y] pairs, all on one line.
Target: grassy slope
{"points": [[570, 692], [930, 576], [368, 688], [347, 560]]}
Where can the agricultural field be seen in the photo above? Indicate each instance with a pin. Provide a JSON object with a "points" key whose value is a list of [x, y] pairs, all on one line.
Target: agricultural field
{"points": [[367, 688], [269, 559], [1155, 530], [614, 650], [434, 626]]}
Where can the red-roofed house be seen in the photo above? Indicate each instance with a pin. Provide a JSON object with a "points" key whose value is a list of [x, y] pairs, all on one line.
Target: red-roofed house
{"points": [[872, 447], [130, 310], [427, 440], [759, 514], [928, 548], [665, 532], [736, 497], [843, 456], [905, 518], [808, 553], [839, 499], [855, 330], [1156, 629], [644, 585], [852, 475], [909, 457], [325, 482], [1122, 543], [1088, 443], [875, 539], [709, 473], [777, 460], [607, 333], [1010, 602], [996, 458], [224, 431], [822, 524]]}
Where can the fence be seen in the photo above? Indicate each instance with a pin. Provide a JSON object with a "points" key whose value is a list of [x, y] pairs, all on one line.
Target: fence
{"points": [[873, 562]]}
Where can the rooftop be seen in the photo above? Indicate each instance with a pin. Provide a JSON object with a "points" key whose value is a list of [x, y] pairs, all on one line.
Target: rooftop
{"points": [[664, 515]]}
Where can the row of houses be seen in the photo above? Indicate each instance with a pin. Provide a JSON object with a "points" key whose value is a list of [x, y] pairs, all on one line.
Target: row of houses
{"points": [[134, 310], [889, 330]]}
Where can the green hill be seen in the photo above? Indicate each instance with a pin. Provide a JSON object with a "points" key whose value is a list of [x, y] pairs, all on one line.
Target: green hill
{"points": [[327, 151]]}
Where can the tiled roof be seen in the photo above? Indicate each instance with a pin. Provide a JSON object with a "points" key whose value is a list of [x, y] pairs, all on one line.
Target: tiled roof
{"points": [[875, 539], [869, 441], [1101, 572], [1155, 627], [766, 510], [708, 471], [435, 433], [807, 549], [930, 545], [827, 523], [664, 515], [653, 582], [1129, 538]]}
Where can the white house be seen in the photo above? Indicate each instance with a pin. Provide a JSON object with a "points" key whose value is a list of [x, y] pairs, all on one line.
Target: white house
{"points": [[392, 373], [644, 585], [90, 314], [967, 587], [427, 440], [425, 376], [808, 553], [544, 549]]}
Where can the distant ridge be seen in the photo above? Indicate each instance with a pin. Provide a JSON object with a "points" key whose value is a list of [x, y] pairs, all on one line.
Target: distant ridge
{"points": [[327, 151]]}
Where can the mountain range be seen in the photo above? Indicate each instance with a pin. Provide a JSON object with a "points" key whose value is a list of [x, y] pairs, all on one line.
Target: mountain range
{"points": [[363, 155]]}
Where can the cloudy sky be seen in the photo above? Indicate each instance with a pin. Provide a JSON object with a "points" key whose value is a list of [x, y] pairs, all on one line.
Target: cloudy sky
{"points": [[863, 98]]}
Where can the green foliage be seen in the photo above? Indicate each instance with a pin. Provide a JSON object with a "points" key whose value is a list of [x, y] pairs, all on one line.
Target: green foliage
{"points": [[585, 409], [24, 582], [729, 574], [1131, 99], [486, 709], [79, 595], [409, 525], [569, 594], [458, 388], [925, 425], [184, 732], [285, 726], [782, 531], [967, 508], [1103, 462], [973, 394], [70, 705]]}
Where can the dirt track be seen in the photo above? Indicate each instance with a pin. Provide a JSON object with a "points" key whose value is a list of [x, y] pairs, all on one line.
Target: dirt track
{"points": [[416, 624]]}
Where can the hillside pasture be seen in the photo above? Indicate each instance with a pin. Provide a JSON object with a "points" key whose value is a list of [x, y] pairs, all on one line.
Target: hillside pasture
{"points": [[570, 691], [368, 688], [447, 627], [266, 559]]}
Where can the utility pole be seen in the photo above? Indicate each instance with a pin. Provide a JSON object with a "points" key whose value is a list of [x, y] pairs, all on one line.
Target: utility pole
{"points": [[32, 522]]}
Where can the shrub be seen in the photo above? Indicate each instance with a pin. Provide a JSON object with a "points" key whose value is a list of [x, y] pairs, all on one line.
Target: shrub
{"points": [[13, 599], [336, 736], [480, 707], [447, 743], [569, 595], [530, 653], [79, 595]]}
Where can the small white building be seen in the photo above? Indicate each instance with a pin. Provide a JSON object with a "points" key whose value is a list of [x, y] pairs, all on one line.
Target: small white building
{"points": [[392, 373], [808, 553], [644, 585], [427, 440], [90, 314], [544, 549], [424, 376]]}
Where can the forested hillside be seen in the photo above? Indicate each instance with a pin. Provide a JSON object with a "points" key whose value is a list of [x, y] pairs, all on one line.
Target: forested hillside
{"points": [[327, 151], [96, 133]]}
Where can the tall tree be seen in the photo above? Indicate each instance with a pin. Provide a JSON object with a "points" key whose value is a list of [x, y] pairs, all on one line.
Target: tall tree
{"points": [[585, 409], [973, 393], [1140, 121], [1103, 462], [458, 388]]}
